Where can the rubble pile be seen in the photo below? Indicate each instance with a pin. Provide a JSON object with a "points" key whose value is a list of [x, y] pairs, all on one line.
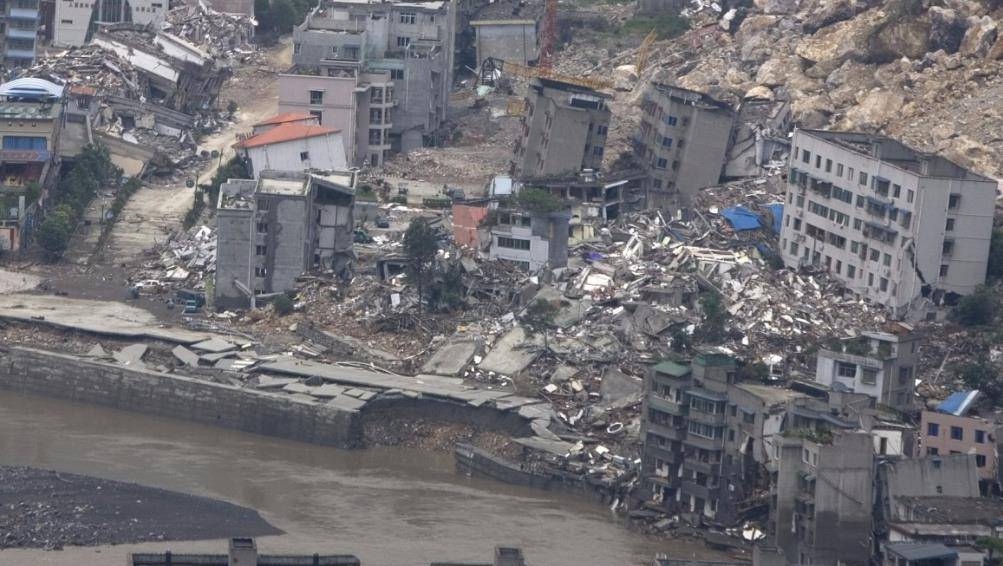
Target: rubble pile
{"points": [[92, 66], [185, 260], [222, 35]]}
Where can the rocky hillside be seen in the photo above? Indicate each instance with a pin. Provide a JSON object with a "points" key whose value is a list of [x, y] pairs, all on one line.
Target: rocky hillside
{"points": [[927, 72]]}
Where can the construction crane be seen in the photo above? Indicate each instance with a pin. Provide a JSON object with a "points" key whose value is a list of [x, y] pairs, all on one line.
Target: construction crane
{"points": [[644, 51], [548, 35], [491, 67]]}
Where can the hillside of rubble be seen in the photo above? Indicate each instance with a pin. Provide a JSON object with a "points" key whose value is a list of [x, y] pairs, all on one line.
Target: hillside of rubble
{"points": [[927, 72]]}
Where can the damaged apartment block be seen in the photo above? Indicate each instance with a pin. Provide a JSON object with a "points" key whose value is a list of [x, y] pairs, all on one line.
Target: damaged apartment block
{"points": [[73, 21], [904, 229], [274, 229], [379, 72], [682, 142]]}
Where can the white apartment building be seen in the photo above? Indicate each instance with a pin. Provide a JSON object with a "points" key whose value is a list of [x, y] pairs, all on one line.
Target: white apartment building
{"points": [[899, 227]]}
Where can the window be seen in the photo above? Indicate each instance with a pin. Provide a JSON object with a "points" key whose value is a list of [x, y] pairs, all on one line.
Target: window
{"points": [[662, 163], [597, 151], [818, 162], [943, 271], [875, 255], [260, 250], [870, 376], [602, 130], [828, 165], [846, 369], [896, 190], [263, 204], [805, 156], [909, 196], [980, 460], [670, 120], [24, 142], [666, 142], [319, 115], [980, 436], [304, 155], [883, 285], [403, 41], [948, 247], [860, 201], [950, 225], [886, 260], [262, 227], [857, 223], [957, 433], [513, 243], [849, 173], [863, 178], [839, 169], [953, 201], [905, 374], [931, 451], [797, 224], [260, 272], [794, 248], [932, 429], [334, 51], [408, 17], [66, 22], [316, 97], [851, 271]]}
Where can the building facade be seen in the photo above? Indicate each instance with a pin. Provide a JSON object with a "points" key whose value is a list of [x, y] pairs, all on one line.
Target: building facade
{"points": [[508, 40], [682, 142], [73, 19], [381, 72], [532, 241], [273, 229], [898, 227], [564, 130], [879, 364], [944, 433], [20, 30]]}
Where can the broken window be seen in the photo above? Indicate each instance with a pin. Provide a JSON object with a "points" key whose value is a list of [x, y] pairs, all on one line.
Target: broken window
{"points": [[316, 97], [875, 255], [980, 460], [980, 437], [260, 272], [797, 224], [319, 115]]}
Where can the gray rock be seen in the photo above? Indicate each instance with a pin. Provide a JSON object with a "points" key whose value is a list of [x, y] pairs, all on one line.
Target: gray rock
{"points": [[947, 29], [979, 38]]}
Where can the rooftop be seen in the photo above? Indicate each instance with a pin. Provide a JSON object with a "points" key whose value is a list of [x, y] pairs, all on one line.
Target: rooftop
{"points": [[897, 154], [285, 132], [281, 186], [28, 110], [672, 368], [691, 96], [770, 395], [956, 510], [919, 550], [284, 117]]}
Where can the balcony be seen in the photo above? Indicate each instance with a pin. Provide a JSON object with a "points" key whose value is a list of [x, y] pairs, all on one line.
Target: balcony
{"points": [[665, 405], [24, 14], [704, 443], [664, 431], [714, 419], [21, 33], [662, 453], [709, 468], [690, 487]]}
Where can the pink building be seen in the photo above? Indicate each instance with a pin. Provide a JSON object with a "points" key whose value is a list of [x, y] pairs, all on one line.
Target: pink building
{"points": [[466, 219], [944, 433]]}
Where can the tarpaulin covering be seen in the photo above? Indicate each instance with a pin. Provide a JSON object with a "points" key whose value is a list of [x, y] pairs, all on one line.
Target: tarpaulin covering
{"points": [[777, 210], [741, 218]]}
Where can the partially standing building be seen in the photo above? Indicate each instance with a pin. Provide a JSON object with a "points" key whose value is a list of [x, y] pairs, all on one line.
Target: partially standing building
{"points": [[74, 21], [273, 229], [902, 228], [293, 142]]}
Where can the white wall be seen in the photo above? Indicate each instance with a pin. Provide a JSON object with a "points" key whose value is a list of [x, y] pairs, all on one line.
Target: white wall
{"points": [[325, 153]]}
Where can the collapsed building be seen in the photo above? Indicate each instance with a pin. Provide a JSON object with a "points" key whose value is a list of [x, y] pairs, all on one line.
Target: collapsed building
{"points": [[74, 21], [902, 228], [273, 229], [760, 142], [379, 72]]}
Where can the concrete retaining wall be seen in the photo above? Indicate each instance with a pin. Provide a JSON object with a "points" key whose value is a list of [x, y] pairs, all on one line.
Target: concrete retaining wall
{"points": [[75, 379]]}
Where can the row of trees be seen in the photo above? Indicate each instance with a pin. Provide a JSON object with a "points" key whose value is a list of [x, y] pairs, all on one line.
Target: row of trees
{"points": [[91, 170], [277, 17]]}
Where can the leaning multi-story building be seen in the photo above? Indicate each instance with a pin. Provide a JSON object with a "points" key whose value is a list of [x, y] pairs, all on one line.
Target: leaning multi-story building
{"points": [[896, 226], [379, 72], [682, 142]]}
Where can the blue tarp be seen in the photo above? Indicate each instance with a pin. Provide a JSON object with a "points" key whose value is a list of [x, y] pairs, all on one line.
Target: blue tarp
{"points": [[777, 210], [741, 218], [958, 403]]}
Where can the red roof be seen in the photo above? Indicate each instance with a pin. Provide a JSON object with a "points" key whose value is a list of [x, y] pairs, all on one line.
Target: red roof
{"points": [[284, 133], [286, 117]]}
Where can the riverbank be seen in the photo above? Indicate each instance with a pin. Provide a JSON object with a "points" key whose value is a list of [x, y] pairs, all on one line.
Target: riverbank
{"points": [[50, 510]]}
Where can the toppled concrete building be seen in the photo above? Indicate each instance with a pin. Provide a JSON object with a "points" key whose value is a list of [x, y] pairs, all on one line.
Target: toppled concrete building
{"points": [[760, 141], [292, 142], [682, 142], [513, 40], [564, 130], [73, 21], [902, 228], [379, 72], [274, 229], [30, 126], [174, 73], [879, 364]]}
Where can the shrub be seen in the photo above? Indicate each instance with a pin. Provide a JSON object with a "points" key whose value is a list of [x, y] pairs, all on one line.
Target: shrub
{"points": [[977, 309], [283, 305]]}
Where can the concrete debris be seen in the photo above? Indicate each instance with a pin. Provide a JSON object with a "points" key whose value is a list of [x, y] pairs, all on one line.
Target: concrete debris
{"points": [[186, 356], [222, 35], [131, 355]]}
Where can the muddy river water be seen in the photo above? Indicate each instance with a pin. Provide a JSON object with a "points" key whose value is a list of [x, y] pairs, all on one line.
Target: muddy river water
{"points": [[389, 506]]}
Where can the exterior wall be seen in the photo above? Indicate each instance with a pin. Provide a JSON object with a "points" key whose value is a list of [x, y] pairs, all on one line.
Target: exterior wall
{"points": [[916, 219], [943, 443], [245, 7], [234, 255], [547, 237], [286, 242], [697, 131], [72, 19], [112, 385], [325, 153], [21, 28], [894, 380], [558, 138], [338, 107], [508, 40], [466, 220]]}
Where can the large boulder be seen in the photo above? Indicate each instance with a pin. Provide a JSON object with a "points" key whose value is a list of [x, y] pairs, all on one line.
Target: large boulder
{"points": [[996, 51], [823, 14], [776, 6], [775, 72], [947, 29], [812, 112], [979, 38], [831, 46], [898, 37], [875, 110]]}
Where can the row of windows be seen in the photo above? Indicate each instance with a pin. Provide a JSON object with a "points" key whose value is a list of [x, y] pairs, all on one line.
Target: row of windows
{"points": [[882, 187], [882, 283], [957, 433], [513, 243]]}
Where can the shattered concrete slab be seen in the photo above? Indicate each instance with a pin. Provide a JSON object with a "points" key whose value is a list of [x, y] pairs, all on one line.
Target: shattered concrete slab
{"points": [[215, 345], [344, 403], [131, 355], [269, 382], [186, 356], [512, 353], [453, 357], [620, 390], [98, 352]]}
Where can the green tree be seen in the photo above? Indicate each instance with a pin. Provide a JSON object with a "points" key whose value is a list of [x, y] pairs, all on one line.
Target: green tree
{"points": [[994, 270], [421, 245], [715, 317], [981, 374], [446, 290], [56, 230], [538, 200], [993, 545], [976, 309], [283, 304], [538, 318]]}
